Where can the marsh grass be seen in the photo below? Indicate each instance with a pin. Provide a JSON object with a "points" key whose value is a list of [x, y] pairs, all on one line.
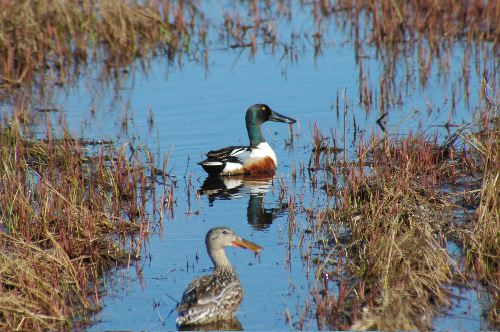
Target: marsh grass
{"points": [[68, 212], [417, 41], [414, 41], [52, 42], [484, 247], [393, 270], [395, 250], [58, 38], [437, 21]]}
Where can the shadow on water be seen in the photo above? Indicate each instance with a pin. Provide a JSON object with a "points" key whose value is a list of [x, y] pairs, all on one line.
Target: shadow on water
{"points": [[253, 186], [229, 325]]}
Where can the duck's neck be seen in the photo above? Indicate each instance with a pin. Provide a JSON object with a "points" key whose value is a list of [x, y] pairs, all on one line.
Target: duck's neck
{"points": [[219, 258], [255, 134]]}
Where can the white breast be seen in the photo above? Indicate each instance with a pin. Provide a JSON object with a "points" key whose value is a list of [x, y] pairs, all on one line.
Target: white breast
{"points": [[264, 150]]}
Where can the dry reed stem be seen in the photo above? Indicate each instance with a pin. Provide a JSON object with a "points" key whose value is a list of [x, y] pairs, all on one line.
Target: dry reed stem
{"points": [[484, 246]]}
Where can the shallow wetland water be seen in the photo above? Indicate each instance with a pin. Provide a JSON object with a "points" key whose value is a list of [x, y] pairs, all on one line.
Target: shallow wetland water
{"points": [[181, 112]]}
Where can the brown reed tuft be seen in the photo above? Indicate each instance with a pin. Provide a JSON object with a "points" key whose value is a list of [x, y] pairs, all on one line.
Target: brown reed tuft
{"points": [[391, 226], [58, 37], [68, 211]]}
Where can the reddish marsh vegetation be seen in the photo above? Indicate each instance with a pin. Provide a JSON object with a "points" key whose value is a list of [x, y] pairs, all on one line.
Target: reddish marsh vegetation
{"points": [[68, 211], [402, 203]]}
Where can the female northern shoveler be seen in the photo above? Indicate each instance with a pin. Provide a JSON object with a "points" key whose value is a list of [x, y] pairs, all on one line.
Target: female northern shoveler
{"points": [[215, 297], [256, 158]]}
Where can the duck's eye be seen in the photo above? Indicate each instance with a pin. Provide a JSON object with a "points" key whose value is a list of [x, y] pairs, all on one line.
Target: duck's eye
{"points": [[263, 108], [224, 232]]}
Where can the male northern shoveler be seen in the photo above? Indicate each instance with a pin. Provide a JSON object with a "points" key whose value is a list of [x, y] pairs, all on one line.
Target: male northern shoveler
{"points": [[214, 297], [259, 157]]}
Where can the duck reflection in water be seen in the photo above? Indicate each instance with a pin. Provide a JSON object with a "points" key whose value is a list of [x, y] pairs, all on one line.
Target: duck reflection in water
{"points": [[228, 325], [232, 187]]}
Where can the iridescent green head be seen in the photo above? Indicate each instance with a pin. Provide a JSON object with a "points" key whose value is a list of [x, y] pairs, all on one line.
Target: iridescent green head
{"points": [[258, 114]]}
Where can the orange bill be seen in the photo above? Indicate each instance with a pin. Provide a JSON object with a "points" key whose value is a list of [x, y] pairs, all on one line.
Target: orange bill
{"points": [[242, 243]]}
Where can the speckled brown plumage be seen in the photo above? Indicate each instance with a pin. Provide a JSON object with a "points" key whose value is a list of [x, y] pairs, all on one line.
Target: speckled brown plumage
{"points": [[217, 296], [211, 298]]}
